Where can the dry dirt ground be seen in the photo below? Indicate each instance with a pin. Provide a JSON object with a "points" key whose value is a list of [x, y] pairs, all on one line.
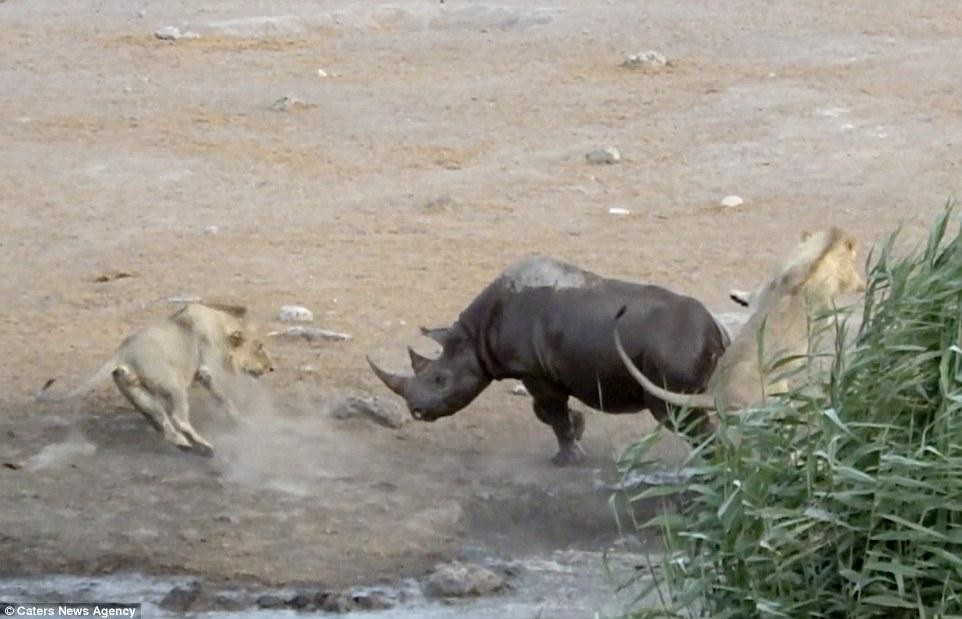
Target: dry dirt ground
{"points": [[446, 141]]}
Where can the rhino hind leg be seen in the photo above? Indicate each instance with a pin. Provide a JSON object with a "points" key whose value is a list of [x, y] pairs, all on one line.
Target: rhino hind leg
{"points": [[568, 426], [578, 422]]}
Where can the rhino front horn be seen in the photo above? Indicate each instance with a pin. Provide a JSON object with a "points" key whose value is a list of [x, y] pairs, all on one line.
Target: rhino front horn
{"points": [[418, 361], [397, 384]]}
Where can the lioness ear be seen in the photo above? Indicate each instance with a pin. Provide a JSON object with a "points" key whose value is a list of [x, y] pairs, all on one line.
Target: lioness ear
{"points": [[236, 338], [237, 311], [851, 244]]}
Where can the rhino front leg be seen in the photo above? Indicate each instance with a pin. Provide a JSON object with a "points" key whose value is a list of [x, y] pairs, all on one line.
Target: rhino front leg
{"points": [[568, 425]]}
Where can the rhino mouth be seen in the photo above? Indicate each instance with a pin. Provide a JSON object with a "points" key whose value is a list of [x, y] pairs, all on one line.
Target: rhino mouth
{"points": [[420, 415]]}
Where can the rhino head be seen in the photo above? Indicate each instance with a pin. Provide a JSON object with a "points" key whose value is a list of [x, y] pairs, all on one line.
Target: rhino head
{"points": [[443, 386]]}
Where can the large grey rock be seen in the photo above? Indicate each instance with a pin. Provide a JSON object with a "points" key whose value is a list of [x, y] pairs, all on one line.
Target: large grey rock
{"points": [[371, 408], [458, 579], [181, 599], [311, 334]]}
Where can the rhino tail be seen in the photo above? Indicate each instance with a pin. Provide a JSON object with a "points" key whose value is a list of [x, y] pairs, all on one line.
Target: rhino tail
{"points": [[687, 400], [44, 395]]}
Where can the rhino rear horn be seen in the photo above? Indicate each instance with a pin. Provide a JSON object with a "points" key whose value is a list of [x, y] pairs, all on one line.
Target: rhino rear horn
{"points": [[397, 384], [438, 334], [418, 361]]}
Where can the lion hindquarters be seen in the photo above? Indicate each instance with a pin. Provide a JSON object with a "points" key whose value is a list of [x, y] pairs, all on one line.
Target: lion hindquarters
{"points": [[166, 409], [150, 405]]}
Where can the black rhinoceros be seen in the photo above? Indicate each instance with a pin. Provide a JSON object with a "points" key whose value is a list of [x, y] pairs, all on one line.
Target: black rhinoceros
{"points": [[550, 325]]}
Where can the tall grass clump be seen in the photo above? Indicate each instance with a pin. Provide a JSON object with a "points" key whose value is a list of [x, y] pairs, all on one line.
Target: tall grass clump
{"points": [[844, 498]]}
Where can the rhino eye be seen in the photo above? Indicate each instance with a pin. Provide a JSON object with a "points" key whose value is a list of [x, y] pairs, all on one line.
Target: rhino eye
{"points": [[439, 380]]}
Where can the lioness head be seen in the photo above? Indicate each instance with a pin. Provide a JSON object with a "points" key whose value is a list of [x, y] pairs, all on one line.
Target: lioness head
{"points": [[247, 353], [834, 270]]}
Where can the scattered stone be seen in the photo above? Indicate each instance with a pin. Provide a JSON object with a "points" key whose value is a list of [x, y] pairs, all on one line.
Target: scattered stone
{"points": [[519, 390], [322, 73], [192, 536], [334, 602], [226, 518], [110, 276], [458, 579], [173, 33], [211, 230], [295, 313], [373, 600], [288, 103], [184, 299], [650, 60], [731, 201], [300, 601], [270, 601], [441, 203], [180, 599], [618, 211], [312, 334], [382, 412], [604, 156]]}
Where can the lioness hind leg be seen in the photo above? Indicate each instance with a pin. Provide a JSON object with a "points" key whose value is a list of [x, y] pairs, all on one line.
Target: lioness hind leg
{"points": [[180, 415], [205, 378], [148, 405]]}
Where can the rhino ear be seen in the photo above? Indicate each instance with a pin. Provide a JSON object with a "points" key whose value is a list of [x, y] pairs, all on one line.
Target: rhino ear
{"points": [[438, 334]]}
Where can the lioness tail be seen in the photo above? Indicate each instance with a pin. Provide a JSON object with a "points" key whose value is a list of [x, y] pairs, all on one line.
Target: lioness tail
{"points": [[99, 376]]}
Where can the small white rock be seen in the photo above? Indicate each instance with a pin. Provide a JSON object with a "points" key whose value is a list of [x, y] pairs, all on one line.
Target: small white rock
{"points": [[211, 230], [619, 211], [651, 58], [295, 313], [289, 102], [731, 201], [321, 73], [183, 299], [173, 33], [604, 156], [519, 390]]}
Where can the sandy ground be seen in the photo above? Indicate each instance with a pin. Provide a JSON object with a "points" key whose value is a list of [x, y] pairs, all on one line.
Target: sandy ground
{"points": [[446, 141]]}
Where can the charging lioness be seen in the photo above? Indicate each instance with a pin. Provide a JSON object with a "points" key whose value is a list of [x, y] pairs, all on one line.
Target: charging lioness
{"points": [[155, 367], [819, 270]]}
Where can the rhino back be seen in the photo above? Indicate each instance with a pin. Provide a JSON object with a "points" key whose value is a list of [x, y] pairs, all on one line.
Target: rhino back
{"points": [[565, 335]]}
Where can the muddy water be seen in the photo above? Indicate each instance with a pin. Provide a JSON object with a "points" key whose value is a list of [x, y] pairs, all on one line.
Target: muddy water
{"points": [[560, 585]]}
